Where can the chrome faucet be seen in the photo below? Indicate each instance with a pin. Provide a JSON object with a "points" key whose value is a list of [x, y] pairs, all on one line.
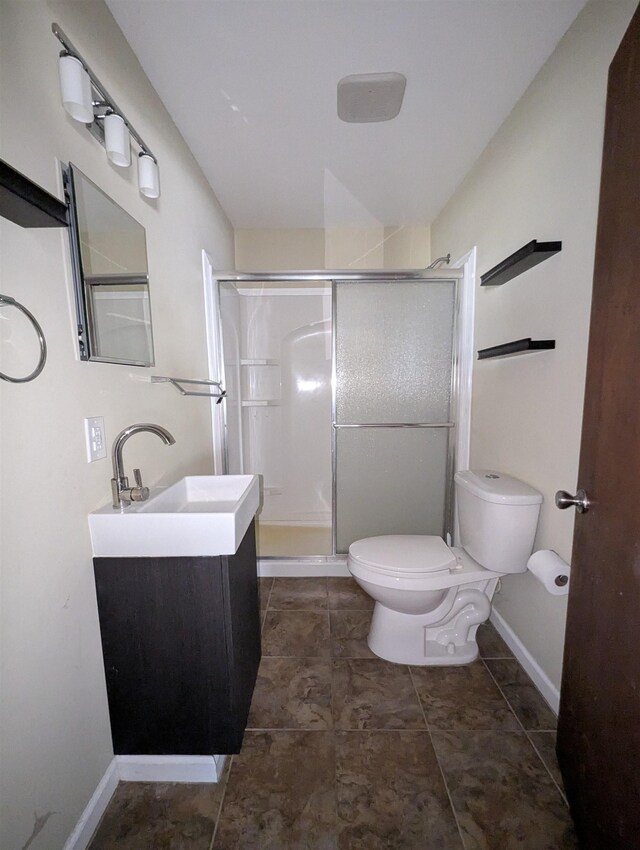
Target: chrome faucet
{"points": [[123, 494]]}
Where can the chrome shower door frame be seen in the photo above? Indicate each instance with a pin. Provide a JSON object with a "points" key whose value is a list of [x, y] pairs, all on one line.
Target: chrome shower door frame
{"points": [[427, 276], [335, 277]]}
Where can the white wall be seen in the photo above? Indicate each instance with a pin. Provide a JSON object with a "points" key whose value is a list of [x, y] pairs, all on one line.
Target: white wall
{"points": [[55, 739], [539, 179]]}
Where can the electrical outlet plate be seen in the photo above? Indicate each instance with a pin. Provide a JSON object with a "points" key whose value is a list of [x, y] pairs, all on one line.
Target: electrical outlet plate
{"points": [[95, 438]]}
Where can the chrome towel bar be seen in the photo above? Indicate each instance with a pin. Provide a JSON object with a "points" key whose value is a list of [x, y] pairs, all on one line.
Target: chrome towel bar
{"points": [[11, 302], [177, 383]]}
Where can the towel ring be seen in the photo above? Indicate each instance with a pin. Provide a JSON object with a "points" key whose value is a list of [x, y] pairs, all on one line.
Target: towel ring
{"points": [[5, 299]]}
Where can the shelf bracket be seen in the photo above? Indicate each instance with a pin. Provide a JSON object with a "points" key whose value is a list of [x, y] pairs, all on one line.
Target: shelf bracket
{"points": [[27, 204]]}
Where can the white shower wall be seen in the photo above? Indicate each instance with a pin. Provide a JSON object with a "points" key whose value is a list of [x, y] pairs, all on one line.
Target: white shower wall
{"points": [[283, 368]]}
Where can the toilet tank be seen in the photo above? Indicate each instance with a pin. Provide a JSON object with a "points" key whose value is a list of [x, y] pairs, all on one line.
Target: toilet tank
{"points": [[498, 517]]}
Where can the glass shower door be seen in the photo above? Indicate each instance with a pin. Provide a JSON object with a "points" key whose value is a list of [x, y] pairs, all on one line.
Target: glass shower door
{"points": [[230, 330], [276, 350], [392, 426]]}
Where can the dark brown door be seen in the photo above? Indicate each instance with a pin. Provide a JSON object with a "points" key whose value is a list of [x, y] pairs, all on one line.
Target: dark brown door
{"points": [[599, 726]]}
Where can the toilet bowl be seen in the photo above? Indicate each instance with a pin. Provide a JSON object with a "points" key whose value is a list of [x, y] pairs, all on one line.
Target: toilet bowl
{"points": [[429, 597]]}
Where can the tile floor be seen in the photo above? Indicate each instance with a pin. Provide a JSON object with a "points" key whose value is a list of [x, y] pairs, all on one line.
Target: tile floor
{"points": [[345, 751]]}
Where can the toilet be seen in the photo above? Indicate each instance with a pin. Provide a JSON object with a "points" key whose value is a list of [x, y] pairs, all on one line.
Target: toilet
{"points": [[429, 597]]}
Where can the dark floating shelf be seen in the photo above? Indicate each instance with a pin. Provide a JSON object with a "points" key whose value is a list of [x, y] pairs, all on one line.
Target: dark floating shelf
{"points": [[530, 255], [27, 204], [520, 346]]}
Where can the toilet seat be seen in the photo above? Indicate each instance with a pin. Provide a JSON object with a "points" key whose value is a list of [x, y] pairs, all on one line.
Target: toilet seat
{"points": [[429, 564], [403, 555]]}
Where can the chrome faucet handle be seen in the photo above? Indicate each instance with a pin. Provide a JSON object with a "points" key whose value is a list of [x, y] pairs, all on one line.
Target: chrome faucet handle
{"points": [[139, 493]]}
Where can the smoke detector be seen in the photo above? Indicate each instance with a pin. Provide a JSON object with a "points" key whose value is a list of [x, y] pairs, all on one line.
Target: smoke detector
{"points": [[365, 98]]}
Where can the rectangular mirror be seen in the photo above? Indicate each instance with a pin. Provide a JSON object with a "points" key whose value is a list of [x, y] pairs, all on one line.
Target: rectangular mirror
{"points": [[109, 260]]}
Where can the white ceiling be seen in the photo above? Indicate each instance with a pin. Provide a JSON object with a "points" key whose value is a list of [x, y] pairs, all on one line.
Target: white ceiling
{"points": [[251, 84]]}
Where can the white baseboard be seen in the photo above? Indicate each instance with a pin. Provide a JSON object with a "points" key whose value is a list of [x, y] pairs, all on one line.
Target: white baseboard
{"points": [[140, 769], [169, 768], [291, 568], [540, 679], [95, 808]]}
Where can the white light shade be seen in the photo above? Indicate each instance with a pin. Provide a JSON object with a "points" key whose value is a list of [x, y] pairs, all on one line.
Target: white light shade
{"points": [[116, 140], [148, 176], [75, 87]]}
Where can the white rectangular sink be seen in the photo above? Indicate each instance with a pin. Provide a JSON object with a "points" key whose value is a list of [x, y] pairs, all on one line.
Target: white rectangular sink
{"points": [[198, 515]]}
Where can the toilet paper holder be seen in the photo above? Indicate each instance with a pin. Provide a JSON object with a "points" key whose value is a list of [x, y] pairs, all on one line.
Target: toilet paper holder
{"points": [[551, 570]]}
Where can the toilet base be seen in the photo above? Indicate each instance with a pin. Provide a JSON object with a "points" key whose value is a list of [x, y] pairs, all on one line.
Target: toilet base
{"points": [[435, 655], [415, 639]]}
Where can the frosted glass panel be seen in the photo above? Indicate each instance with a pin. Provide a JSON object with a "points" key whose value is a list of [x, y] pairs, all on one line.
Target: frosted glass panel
{"points": [[389, 481], [394, 351]]}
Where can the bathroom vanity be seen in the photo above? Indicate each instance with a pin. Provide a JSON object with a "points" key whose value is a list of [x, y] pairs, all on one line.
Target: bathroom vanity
{"points": [[180, 632]]}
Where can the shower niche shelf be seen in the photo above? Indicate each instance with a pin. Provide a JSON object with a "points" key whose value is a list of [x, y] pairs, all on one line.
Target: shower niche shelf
{"points": [[525, 258], [519, 346], [261, 402], [260, 382]]}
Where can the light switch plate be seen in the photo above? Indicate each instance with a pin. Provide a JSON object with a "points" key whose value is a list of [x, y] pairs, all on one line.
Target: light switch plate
{"points": [[95, 438]]}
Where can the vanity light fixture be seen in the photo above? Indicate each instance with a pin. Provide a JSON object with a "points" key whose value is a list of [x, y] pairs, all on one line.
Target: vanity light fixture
{"points": [[87, 100], [117, 141], [148, 176], [75, 87]]}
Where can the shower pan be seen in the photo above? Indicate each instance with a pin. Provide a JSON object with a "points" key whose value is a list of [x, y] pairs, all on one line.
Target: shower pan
{"points": [[342, 395]]}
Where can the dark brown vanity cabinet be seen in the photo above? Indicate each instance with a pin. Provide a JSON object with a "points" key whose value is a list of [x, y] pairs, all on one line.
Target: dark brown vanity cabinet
{"points": [[181, 647]]}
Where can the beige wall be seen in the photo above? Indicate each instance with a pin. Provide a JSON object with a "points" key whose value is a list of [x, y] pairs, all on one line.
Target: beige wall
{"points": [[55, 740], [278, 250], [372, 247], [354, 247], [539, 179], [407, 247]]}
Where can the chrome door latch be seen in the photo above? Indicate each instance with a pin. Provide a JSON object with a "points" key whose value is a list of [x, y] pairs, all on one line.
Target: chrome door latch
{"points": [[580, 501]]}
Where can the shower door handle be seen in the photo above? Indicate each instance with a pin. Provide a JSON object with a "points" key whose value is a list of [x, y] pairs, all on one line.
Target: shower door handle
{"points": [[337, 425]]}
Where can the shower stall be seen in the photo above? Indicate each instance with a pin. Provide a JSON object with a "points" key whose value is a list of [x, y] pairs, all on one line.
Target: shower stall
{"points": [[342, 393]]}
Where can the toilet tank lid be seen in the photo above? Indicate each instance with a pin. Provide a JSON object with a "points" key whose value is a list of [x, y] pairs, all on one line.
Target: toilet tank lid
{"points": [[496, 487]]}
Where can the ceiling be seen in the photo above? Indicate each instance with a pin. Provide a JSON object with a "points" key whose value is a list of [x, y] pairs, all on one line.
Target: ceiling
{"points": [[251, 85]]}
